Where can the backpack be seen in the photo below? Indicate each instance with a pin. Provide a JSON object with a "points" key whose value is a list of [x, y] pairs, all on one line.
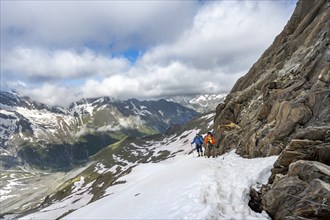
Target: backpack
{"points": [[210, 139], [201, 138]]}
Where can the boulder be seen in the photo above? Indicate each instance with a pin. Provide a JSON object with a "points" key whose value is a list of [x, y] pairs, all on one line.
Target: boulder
{"points": [[310, 170], [303, 192], [314, 202], [301, 150], [280, 198]]}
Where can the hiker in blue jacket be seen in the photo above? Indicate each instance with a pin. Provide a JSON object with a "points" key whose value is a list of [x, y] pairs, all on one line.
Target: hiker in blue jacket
{"points": [[198, 140]]}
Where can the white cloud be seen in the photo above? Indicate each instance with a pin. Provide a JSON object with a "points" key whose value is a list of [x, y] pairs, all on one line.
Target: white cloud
{"points": [[128, 123], [225, 34], [51, 94], [116, 86], [61, 64], [185, 50], [83, 131], [116, 23]]}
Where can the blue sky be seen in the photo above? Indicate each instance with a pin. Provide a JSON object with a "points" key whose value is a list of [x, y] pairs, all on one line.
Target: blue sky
{"points": [[60, 51]]}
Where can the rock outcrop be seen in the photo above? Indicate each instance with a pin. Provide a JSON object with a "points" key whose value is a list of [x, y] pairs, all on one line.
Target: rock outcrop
{"points": [[282, 107]]}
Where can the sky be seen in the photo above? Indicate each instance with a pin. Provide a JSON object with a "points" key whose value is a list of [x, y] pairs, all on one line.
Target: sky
{"points": [[57, 52]]}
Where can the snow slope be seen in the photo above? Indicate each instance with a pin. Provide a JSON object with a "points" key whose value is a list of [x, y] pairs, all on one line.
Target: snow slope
{"points": [[181, 187], [184, 187]]}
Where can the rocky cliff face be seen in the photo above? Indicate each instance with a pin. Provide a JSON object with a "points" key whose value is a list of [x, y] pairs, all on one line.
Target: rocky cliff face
{"points": [[282, 107]]}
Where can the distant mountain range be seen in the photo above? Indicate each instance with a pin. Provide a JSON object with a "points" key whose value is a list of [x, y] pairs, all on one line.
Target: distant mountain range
{"points": [[37, 134], [200, 103]]}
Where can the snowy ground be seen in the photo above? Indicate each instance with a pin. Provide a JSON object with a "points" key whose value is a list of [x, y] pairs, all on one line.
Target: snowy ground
{"points": [[184, 187]]}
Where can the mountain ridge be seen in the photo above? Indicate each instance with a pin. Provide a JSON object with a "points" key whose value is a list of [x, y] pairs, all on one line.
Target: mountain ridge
{"points": [[30, 129], [200, 103]]}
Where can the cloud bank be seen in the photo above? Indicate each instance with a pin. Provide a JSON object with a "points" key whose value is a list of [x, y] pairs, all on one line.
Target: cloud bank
{"points": [[59, 51]]}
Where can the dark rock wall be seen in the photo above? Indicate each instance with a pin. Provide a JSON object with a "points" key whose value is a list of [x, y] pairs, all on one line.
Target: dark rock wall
{"points": [[285, 91], [282, 107]]}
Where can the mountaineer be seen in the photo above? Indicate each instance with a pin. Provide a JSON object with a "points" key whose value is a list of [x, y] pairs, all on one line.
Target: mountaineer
{"points": [[209, 144], [198, 140]]}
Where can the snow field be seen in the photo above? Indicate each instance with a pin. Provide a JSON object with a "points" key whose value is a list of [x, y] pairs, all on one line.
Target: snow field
{"points": [[184, 187]]}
